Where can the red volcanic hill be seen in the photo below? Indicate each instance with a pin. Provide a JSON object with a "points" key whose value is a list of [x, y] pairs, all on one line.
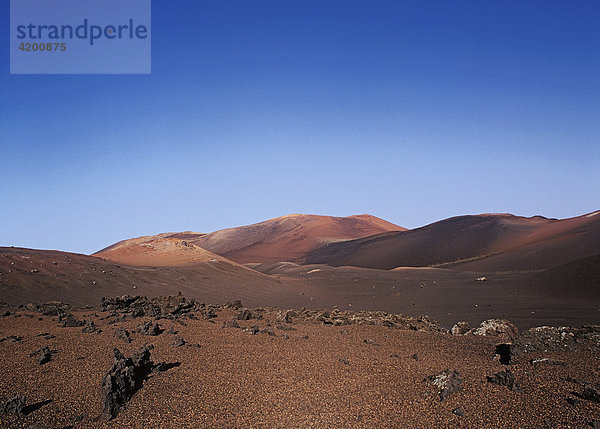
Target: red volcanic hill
{"points": [[287, 238], [494, 242], [158, 250]]}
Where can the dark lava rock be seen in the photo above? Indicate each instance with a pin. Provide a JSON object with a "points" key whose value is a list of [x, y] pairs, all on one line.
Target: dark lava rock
{"points": [[253, 330], [208, 313], [285, 316], [123, 334], [285, 328], [458, 411], [269, 331], [344, 361], [11, 338], [172, 306], [244, 314], [447, 382], [90, 328], [124, 378], [15, 405], [236, 305], [572, 401], [150, 329], [505, 378], [171, 331], [178, 342], [415, 356], [548, 338], [372, 342], [69, 321], [46, 335], [231, 324], [591, 394], [44, 354]]}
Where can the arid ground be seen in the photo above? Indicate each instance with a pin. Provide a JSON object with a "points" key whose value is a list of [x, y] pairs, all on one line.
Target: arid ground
{"points": [[353, 350]]}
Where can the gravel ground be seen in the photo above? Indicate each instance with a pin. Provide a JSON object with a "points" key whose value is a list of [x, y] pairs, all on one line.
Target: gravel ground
{"points": [[314, 375]]}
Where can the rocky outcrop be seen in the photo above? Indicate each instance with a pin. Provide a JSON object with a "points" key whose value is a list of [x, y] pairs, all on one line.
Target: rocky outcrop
{"points": [[15, 405], [548, 338], [460, 328], [505, 378], [124, 378], [149, 328], [447, 382], [499, 328], [172, 306]]}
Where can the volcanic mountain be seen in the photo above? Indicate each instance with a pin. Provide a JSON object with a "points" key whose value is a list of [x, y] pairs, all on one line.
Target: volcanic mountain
{"points": [[286, 238], [492, 242]]}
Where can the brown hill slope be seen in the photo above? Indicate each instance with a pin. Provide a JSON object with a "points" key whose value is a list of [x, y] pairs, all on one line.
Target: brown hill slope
{"points": [[28, 275], [498, 242], [157, 251], [289, 238]]}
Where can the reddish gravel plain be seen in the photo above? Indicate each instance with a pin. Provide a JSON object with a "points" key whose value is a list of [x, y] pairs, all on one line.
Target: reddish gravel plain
{"points": [[313, 375]]}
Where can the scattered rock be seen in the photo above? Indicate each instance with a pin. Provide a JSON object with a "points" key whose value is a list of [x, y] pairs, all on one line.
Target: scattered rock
{"points": [[285, 328], [458, 411], [497, 328], [11, 338], [285, 316], [46, 335], [124, 378], [547, 362], [369, 341], [231, 324], [269, 331], [150, 329], [447, 382], [178, 342], [415, 356], [460, 328], [171, 331], [344, 361], [244, 314], [591, 394], [236, 305], [123, 334], [505, 378], [572, 401], [44, 354], [69, 321], [90, 328], [15, 405], [253, 330]]}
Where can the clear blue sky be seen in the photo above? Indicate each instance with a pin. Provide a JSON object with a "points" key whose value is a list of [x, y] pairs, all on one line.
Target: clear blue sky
{"points": [[411, 111]]}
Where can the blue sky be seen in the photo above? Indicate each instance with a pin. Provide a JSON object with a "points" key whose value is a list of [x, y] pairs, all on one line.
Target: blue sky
{"points": [[411, 111]]}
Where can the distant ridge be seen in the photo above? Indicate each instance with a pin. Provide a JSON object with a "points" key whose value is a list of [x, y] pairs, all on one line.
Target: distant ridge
{"points": [[490, 242]]}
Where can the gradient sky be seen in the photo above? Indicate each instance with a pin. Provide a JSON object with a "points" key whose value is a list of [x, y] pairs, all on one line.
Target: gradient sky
{"points": [[410, 111]]}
